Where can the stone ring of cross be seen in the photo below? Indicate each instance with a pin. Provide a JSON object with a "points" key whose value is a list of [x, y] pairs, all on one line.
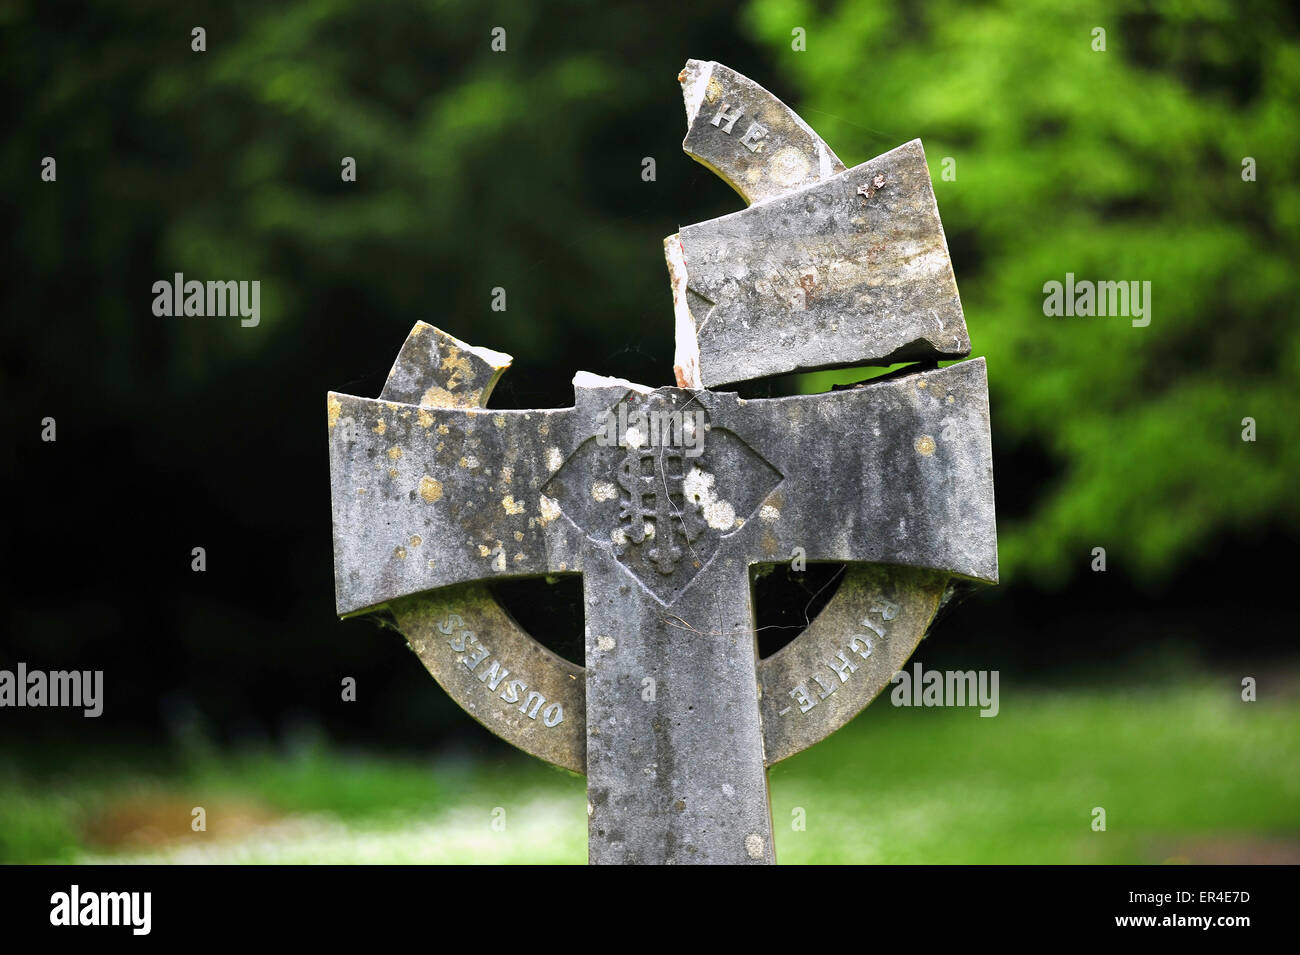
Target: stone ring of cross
{"points": [[667, 499]]}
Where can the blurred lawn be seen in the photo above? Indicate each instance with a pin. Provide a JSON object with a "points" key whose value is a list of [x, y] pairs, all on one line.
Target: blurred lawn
{"points": [[1187, 774]]}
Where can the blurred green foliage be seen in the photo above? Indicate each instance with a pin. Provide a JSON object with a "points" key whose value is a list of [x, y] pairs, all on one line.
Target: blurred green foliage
{"points": [[1186, 773], [1117, 165]]}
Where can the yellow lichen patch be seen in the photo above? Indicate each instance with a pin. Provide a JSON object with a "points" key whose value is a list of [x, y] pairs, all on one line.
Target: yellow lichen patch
{"points": [[519, 535], [380, 427], [425, 418], [399, 553], [430, 489], [922, 383], [333, 408], [416, 540], [394, 452], [925, 445], [442, 429], [392, 472], [499, 420], [438, 397], [544, 429], [430, 565], [549, 508], [511, 505], [457, 366]]}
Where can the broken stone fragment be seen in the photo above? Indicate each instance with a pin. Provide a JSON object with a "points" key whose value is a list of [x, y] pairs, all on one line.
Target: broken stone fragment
{"points": [[827, 268]]}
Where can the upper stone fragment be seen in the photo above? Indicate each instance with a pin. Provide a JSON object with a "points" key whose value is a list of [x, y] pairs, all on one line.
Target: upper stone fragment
{"points": [[756, 143], [828, 268]]}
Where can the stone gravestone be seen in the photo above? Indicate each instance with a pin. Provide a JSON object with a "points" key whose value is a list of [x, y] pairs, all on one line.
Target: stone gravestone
{"points": [[666, 499]]}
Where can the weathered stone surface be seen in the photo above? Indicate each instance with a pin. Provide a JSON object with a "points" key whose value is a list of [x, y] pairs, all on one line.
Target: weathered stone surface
{"points": [[679, 777], [474, 649], [896, 471], [631, 495], [498, 674], [430, 497], [853, 270], [846, 656], [665, 531], [667, 499], [754, 142], [437, 370], [829, 267]]}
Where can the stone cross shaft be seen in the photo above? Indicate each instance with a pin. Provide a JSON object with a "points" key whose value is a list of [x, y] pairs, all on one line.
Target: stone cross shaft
{"points": [[666, 500]]}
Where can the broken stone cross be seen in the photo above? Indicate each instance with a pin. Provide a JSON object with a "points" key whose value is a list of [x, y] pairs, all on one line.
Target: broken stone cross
{"points": [[667, 500]]}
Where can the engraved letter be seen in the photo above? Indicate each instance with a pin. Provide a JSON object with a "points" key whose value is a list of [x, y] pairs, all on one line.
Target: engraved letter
{"points": [[536, 699], [863, 651], [513, 690], [752, 135], [886, 608], [730, 118], [475, 656], [844, 667], [493, 675], [826, 690]]}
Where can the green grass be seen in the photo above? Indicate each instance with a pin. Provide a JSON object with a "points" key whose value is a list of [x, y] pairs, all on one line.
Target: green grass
{"points": [[1189, 774]]}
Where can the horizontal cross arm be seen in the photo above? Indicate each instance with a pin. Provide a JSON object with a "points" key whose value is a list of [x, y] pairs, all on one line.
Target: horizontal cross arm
{"points": [[898, 471], [427, 497]]}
